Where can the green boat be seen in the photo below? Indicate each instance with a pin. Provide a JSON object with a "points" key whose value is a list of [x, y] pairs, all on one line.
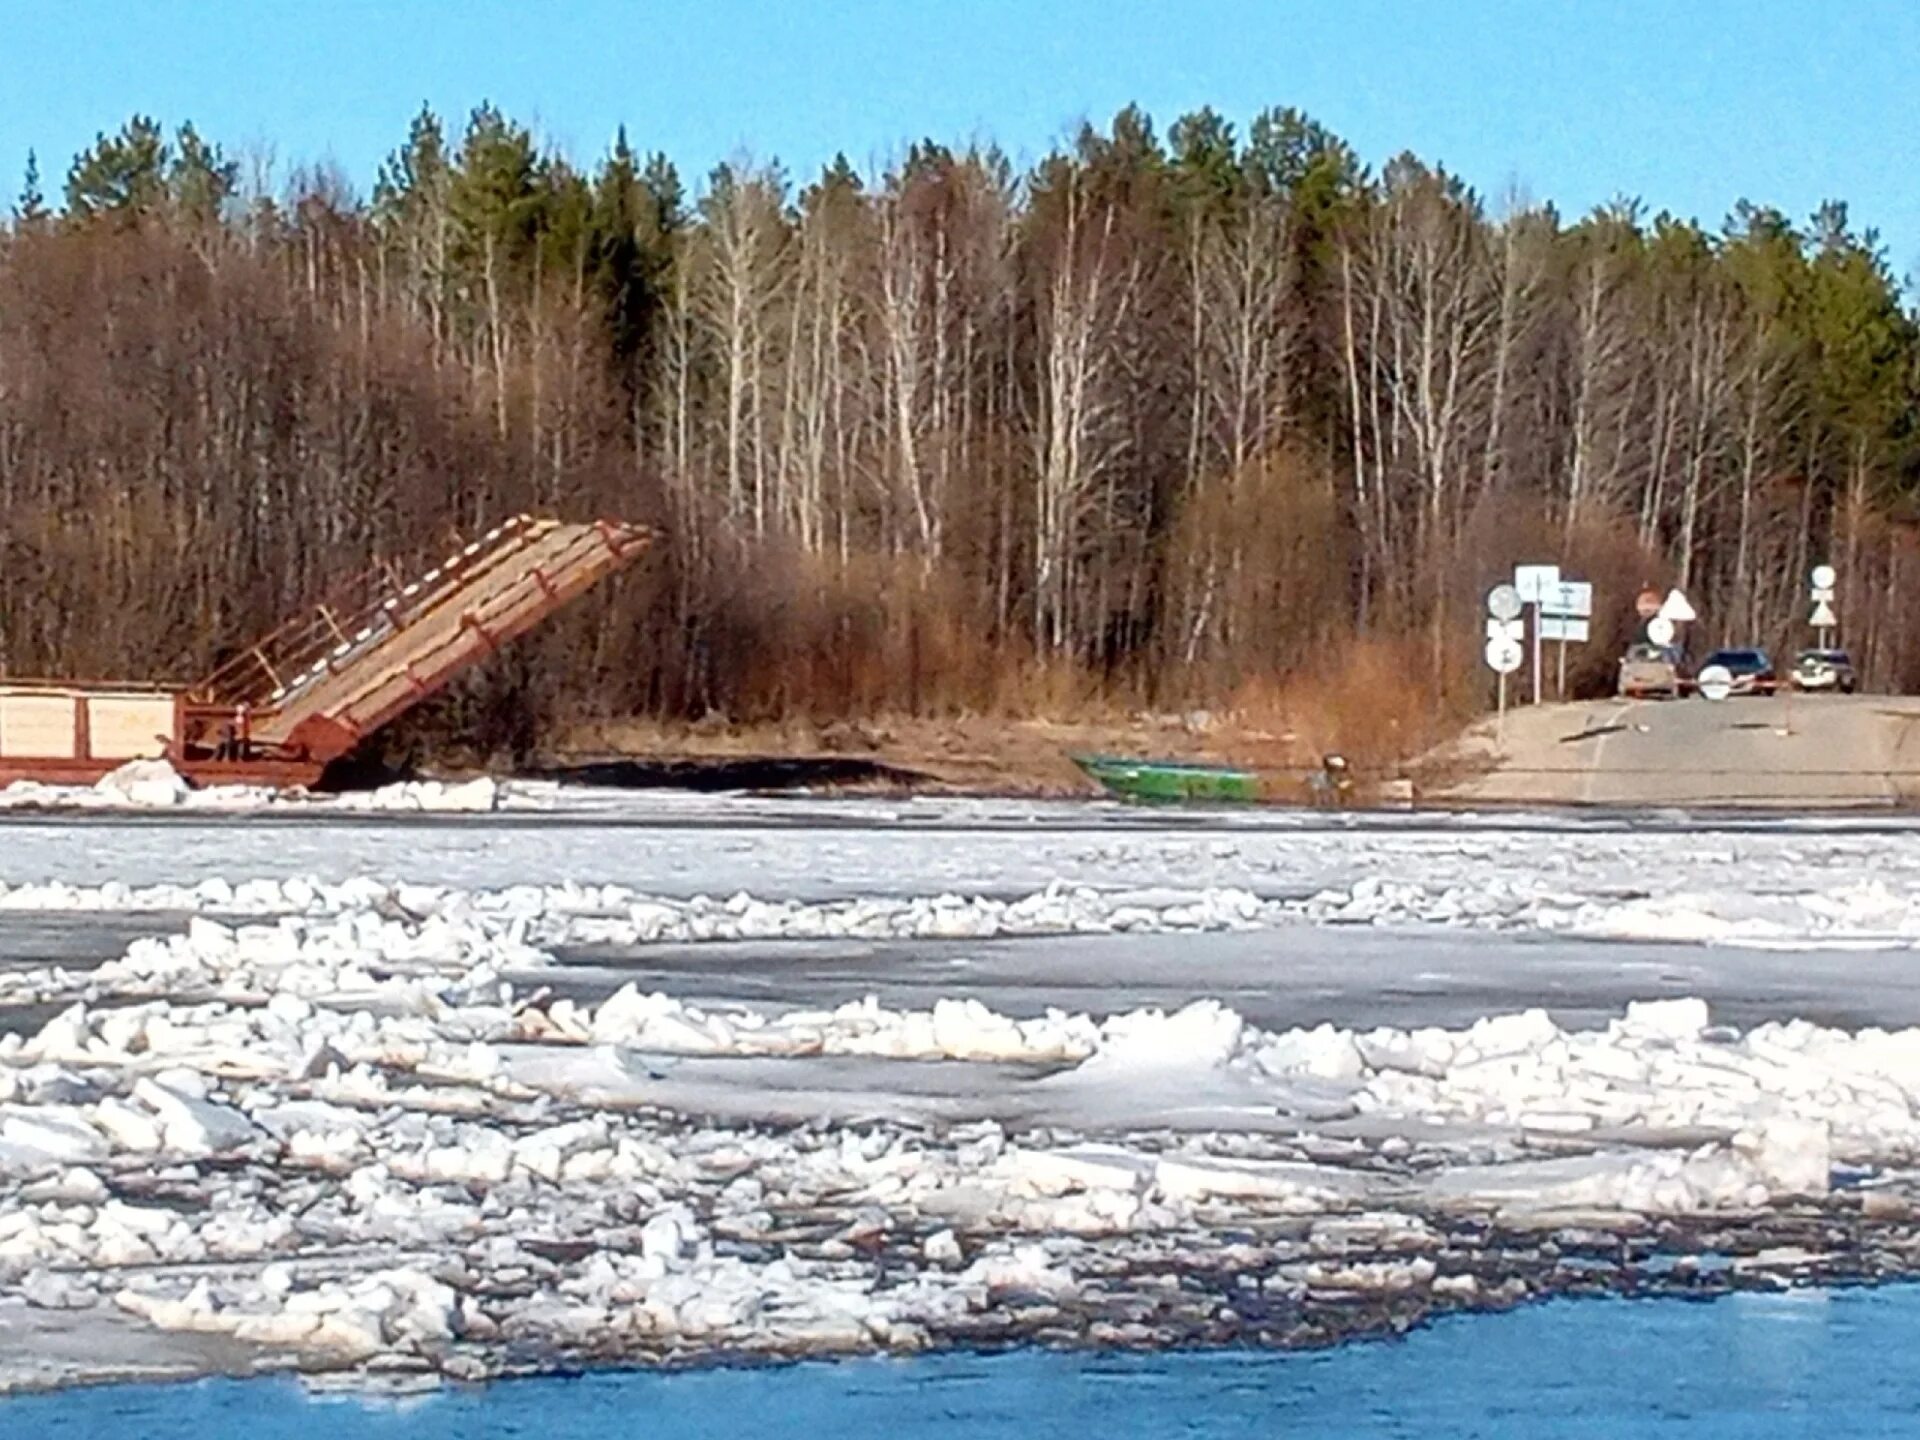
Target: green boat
{"points": [[1164, 781]]}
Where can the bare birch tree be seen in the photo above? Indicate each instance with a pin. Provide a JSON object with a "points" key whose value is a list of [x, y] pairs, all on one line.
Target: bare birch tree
{"points": [[1084, 299]]}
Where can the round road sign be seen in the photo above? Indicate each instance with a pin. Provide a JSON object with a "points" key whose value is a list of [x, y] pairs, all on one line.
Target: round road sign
{"points": [[1824, 577], [1504, 656], [1503, 603], [1716, 682], [1660, 630], [1647, 604]]}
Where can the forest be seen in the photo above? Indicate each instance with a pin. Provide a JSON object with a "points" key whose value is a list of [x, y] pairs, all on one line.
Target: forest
{"points": [[1165, 422]]}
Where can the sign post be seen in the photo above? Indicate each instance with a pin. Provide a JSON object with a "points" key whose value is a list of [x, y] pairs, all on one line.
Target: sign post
{"points": [[1561, 612], [1567, 607], [1822, 593], [1533, 583], [1503, 652], [1664, 628]]}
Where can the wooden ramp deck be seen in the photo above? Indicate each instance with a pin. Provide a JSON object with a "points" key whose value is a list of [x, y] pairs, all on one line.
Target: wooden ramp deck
{"points": [[317, 686]]}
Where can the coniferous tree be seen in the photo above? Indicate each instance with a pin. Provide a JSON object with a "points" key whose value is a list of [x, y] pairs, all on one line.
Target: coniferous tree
{"points": [[123, 173], [199, 177], [31, 208]]}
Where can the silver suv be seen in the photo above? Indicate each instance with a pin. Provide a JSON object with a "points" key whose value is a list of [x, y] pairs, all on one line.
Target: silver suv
{"points": [[1648, 671]]}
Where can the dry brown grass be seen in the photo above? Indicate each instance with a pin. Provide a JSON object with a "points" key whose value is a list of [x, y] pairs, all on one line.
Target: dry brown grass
{"points": [[1370, 707], [1373, 702], [882, 659], [812, 639]]}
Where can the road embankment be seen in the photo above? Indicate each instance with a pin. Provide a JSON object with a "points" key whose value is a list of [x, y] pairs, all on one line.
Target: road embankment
{"points": [[1774, 752]]}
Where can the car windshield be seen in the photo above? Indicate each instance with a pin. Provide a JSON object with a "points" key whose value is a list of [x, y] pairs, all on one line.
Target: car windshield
{"points": [[1651, 655], [1738, 659], [1824, 657]]}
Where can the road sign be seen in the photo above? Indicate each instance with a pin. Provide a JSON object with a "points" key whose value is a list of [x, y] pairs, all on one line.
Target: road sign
{"points": [[1716, 682], [1826, 595], [1515, 630], [1823, 616], [1564, 628], [1647, 604], [1569, 597], [1504, 656], [1677, 608], [1503, 602], [1825, 577], [1660, 630], [1534, 581]]}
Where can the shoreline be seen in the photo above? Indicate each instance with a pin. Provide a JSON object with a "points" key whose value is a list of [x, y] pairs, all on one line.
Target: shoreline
{"points": [[1011, 758]]}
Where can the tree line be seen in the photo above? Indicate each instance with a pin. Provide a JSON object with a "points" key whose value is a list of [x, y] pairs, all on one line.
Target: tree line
{"points": [[1161, 421]]}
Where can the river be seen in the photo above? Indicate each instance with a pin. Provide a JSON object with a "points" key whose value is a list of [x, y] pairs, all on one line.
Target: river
{"points": [[1746, 1365]]}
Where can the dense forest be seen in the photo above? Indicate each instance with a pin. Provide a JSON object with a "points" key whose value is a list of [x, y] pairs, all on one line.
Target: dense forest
{"points": [[1162, 421]]}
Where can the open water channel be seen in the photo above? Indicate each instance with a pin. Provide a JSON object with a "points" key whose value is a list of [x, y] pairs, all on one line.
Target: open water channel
{"points": [[1746, 1365]]}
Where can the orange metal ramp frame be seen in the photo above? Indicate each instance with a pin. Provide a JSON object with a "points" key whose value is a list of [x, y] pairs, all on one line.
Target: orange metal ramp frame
{"points": [[310, 691]]}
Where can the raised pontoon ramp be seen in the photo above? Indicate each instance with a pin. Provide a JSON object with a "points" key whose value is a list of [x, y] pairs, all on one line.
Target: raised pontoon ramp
{"points": [[320, 683]]}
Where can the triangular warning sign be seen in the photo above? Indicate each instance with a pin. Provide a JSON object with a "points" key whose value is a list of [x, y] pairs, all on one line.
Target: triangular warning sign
{"points": [[1823, 616], [1677, 608]]}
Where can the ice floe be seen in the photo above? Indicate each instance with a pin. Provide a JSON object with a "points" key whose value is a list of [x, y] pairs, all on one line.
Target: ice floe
{"points": [[352, 1122], [1857, 914], [340, 1164]]}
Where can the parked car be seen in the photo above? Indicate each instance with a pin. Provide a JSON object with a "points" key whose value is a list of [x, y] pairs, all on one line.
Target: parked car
{"points": [[1751, 670], [1648, 670], [1829, 670]]}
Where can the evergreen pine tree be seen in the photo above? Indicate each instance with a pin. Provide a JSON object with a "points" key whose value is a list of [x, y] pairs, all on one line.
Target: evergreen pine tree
{"points": [[31, 207], [200, 178], [126, 172]]}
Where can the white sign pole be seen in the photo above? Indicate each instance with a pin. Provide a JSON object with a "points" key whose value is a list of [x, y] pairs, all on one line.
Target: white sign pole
{"points": [[1560, 679], [1500, 725]]}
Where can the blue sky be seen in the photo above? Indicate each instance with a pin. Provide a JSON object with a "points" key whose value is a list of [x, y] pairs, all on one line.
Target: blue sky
{"points": [[1690, 104]]}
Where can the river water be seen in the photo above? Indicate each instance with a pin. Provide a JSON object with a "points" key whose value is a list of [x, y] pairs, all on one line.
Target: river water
{"points": [[1746, 1365]]}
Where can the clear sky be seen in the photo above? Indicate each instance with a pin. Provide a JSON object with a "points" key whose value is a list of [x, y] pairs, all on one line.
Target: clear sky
{"points": [[1689, 104]]}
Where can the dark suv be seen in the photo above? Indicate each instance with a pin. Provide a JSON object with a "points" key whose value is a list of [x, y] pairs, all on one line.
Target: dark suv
{"points": [[1751, 670]]}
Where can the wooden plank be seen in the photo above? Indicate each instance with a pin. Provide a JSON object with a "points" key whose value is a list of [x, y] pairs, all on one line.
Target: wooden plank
{"points": [[40, 725], [469, 606], [129, 727]]}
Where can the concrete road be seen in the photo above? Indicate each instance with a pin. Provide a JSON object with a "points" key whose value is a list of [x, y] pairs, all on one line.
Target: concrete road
{"points": [[1785, 751]]}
